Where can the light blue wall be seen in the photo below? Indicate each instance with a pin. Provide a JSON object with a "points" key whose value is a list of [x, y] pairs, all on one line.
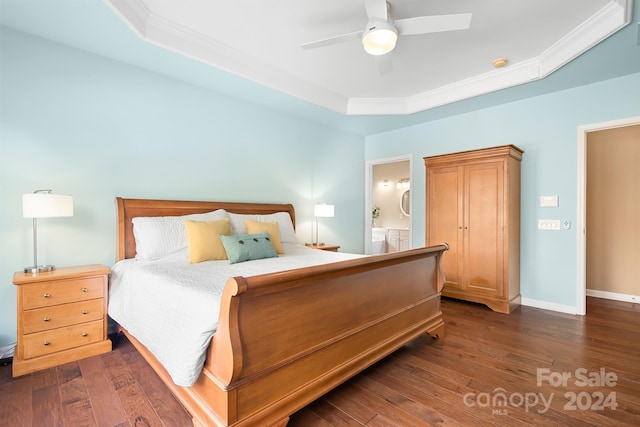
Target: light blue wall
{"points": [[546, 128], [95, 128]]}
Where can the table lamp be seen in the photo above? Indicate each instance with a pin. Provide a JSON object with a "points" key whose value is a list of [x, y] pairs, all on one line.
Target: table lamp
{"points": [[321, 210], [43, 204]]}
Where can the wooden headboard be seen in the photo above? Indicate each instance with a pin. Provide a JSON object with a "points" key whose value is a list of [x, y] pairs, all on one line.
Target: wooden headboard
{"points": [[131, 208]]}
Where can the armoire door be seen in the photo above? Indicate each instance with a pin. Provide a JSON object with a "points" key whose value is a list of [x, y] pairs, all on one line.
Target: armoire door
{"points": [[445, 219], [483, 228]]}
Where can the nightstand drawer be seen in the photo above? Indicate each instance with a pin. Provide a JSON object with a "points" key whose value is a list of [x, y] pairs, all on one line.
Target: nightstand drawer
{"points": [[55, 340], [62, 291], [57, 316]]}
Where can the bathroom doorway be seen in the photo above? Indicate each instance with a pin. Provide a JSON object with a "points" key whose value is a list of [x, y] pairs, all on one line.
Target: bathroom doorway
{"points": [[388, 202]]}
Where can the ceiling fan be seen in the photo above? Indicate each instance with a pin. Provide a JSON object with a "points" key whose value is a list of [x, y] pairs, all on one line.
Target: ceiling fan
{"points": [[381, 33]]}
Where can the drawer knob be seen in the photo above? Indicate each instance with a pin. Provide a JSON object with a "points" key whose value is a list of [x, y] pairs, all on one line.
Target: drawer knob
{"points": [[46, 319], [85, 290], [85, 311], [46, 295], [46, 343], [84, 334]]}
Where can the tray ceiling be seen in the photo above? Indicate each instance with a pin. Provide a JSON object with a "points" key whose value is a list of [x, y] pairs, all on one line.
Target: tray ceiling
{"points": [[261, 41]]}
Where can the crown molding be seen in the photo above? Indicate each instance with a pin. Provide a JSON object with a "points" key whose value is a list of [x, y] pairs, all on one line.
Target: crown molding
{"points": [[611, 18], [168, 35]]}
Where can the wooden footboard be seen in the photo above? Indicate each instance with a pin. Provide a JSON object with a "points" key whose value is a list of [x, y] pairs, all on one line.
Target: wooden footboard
{"points": [[285, 339]]}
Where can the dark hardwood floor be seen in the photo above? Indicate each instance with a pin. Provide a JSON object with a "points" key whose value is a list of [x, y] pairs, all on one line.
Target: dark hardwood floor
{"points": [[532, 367]]}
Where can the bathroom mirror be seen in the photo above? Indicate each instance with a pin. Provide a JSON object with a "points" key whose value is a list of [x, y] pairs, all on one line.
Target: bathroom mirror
{"points": [[405, 202]]}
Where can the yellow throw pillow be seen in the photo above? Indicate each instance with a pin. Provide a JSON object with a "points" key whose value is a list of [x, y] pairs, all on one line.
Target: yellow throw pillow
{"points": [[270, 227], [204, 239]]}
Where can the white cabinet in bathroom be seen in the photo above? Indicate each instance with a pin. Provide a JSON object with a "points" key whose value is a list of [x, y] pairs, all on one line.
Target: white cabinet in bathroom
{"points": [[398, 239]]}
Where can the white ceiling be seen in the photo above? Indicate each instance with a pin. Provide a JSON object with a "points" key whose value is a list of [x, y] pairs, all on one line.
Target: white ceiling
{"points": [[260, 41]]}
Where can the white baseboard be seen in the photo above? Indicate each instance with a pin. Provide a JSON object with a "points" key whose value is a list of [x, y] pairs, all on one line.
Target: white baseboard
{"points": [[545, 305], [613, 296], [548, 305]]}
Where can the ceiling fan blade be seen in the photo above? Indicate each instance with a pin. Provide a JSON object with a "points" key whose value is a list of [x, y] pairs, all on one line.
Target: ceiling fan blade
{"points": [[385, 64], [376, 10], [332, 40], [433, 24]]}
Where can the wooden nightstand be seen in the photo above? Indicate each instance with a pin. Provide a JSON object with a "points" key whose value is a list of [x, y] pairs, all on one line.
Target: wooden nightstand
{"points": [[62, 316], [332, 248]]}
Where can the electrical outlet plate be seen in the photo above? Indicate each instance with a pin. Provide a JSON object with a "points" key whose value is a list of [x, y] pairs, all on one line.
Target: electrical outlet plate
{"points": [[548, 224]]}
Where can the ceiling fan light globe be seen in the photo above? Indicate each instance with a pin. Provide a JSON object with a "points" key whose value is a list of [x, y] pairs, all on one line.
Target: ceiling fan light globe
{"points": [[379, 39]]}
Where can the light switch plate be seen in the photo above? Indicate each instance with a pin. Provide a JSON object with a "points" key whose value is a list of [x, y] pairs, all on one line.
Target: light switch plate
{"points": [[548, 201], [548, 224]]}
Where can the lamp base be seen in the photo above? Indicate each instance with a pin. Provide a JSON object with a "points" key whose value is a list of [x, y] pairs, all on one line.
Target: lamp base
{"points": [[35, 269]]}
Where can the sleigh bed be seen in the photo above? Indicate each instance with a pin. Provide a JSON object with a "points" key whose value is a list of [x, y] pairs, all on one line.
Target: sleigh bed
{"points": [[284, 339]]}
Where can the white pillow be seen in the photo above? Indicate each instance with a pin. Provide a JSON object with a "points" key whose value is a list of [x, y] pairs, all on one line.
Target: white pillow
{"points": [[285, 226], [159, 236]]}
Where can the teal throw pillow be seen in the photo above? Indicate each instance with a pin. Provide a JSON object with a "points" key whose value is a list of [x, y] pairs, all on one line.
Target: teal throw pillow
{"points": [[245, 247]]}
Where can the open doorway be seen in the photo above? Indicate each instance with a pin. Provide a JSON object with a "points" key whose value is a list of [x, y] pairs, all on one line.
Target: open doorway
{"points": [[585, 252], [388, 202]]}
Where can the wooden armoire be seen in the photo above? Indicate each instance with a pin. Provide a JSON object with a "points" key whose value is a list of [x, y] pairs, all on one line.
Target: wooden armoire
{"points": [[473, 204]]}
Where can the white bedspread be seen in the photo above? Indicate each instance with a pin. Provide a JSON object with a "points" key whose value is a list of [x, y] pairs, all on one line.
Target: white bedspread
{"points": [[172, 306]]}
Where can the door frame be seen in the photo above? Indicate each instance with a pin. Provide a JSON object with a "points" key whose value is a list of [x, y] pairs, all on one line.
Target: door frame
{"points": [[581, 218], [368, 171]]}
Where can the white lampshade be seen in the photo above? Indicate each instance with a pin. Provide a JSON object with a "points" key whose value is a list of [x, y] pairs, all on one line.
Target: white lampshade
{"points": [[380, 38], [323, 210], [46, 205]]}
